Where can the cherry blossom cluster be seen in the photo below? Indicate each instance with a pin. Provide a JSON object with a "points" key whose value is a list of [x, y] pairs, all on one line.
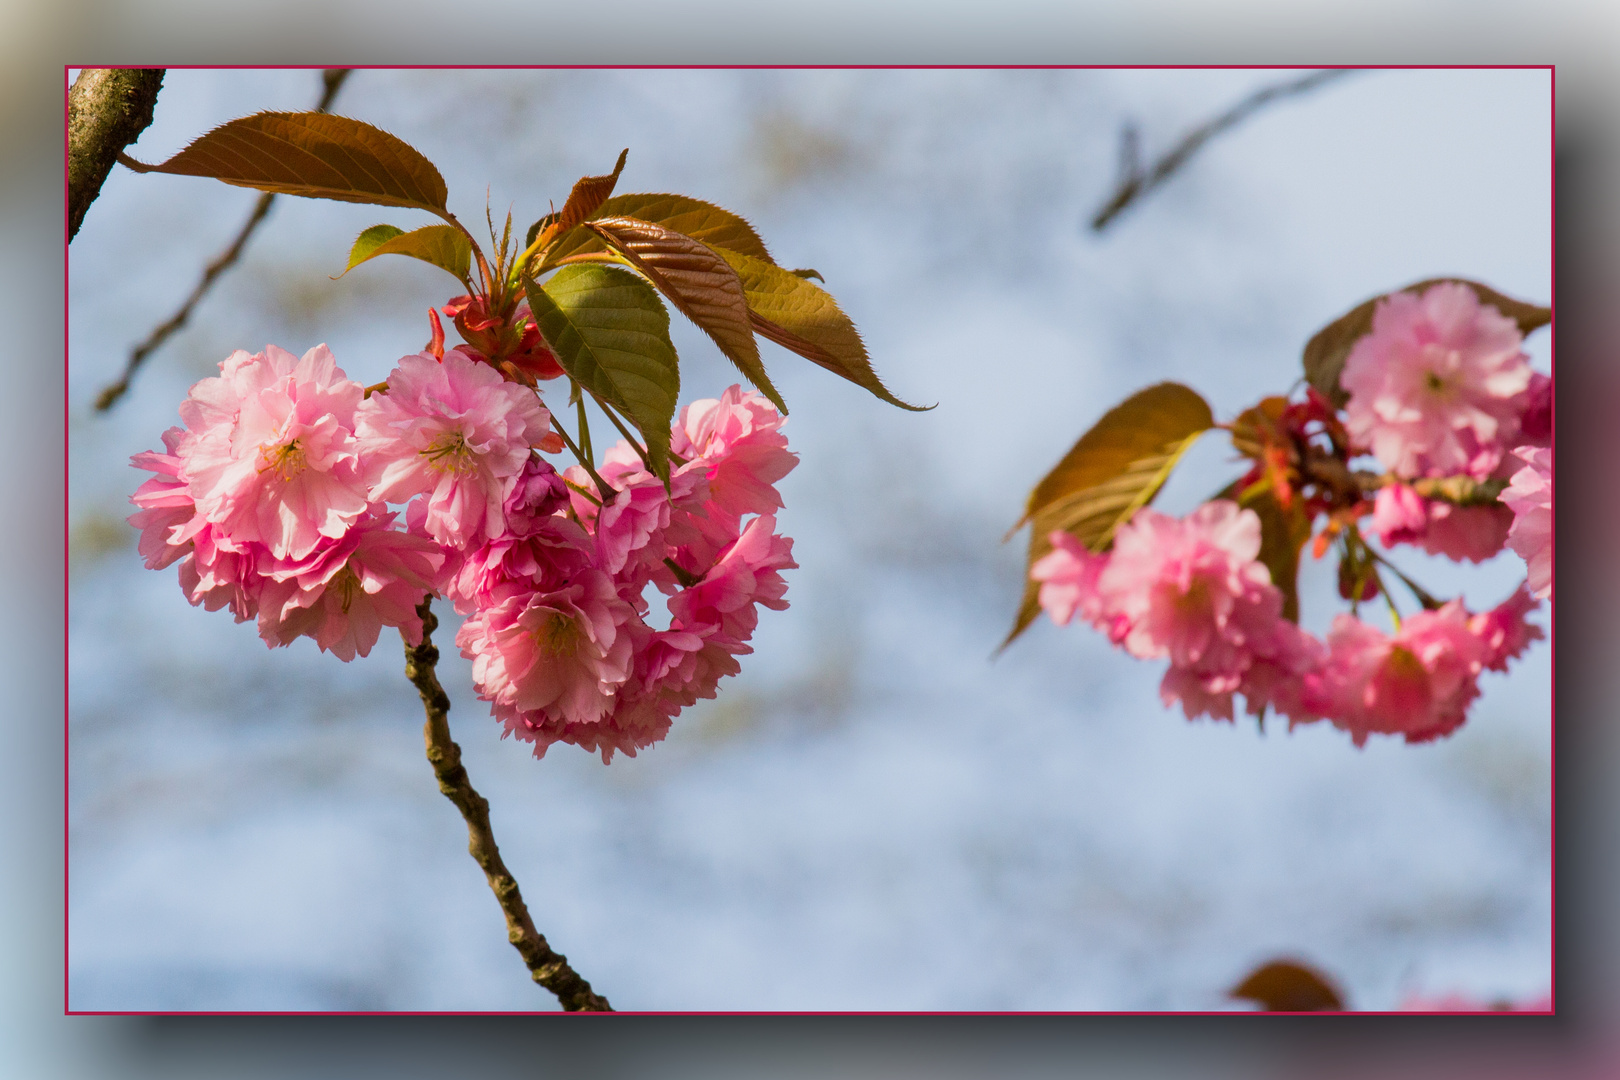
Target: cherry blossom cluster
{"points": [[1440, 388], [1442, 395], [273, 497]]}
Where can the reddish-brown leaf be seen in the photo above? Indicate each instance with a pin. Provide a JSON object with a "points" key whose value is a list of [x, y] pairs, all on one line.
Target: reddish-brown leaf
{"points": [[316, 155], [702, 221], [697, 281], [1288, 986], [589, 193]]}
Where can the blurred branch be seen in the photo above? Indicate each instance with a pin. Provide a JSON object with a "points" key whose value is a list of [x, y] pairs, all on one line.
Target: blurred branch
{"points": [[332, 79], [108, 108], [548, 968], [1133, 182]]}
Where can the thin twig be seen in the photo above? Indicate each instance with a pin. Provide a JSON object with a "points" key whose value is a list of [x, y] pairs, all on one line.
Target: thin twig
{"points": [[548, 968], [1134, 183], [332, 79]]}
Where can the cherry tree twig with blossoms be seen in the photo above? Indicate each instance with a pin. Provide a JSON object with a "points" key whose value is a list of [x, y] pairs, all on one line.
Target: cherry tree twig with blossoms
{"points": [[1431, 382], [332, 80], [273, 495], [548, 968], [1134, 182]]}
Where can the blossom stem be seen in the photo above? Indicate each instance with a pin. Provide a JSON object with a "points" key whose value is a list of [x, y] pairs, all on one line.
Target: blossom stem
{"points": [[1424, 597], [584, 425], [629, 438], [602, 488], [547, 967]]}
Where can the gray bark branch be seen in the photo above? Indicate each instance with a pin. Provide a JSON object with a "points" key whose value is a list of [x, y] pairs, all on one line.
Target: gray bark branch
{"points": [[108, 108], [1135, 183]]}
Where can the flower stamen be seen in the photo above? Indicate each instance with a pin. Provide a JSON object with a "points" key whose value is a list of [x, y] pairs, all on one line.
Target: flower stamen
{"points": [[450, 453], [286, 460]]}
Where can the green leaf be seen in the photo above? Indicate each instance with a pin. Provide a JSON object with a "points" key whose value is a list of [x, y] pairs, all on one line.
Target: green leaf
{"points": [[702, 221], [610, 332], [442, 245], [1325, 353], [316, 155], [1114, 470], [698, 282], [802, 318]]}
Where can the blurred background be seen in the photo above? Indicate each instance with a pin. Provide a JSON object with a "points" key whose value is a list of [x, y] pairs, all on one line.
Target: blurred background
{"points": [[879, 813]]}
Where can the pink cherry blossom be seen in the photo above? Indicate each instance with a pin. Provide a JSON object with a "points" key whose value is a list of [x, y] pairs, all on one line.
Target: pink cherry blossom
{"points": [[555, 657], [1529, 495], [1436, 387], [1400, 515], [1191, 590], [269, 452], [1068, 575], [673, 669], [452, 436], [1504, 631], [214, 573], [739, 440], [1474, 533], [1462, 1003], [165, 504], [1535, 417], [1417, 683], [746, 574], [539, 546], [344, 593]]}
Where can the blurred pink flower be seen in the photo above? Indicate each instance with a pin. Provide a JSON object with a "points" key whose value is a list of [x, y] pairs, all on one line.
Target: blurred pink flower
{"points": [[1436, 388], [1400, 515], [1504, 631], [1462, 1003], [344, 593], [1191, 590], [1068, 576], [1529, 495], [1475, 533], [452, 436], [1418, 683], [1535, 421], [269, 452]]}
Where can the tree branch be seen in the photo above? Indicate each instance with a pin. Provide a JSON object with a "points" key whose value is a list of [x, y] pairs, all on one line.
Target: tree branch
{"points": [[332, 80], [108, 108], [548, 968], [1134, 183]]}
